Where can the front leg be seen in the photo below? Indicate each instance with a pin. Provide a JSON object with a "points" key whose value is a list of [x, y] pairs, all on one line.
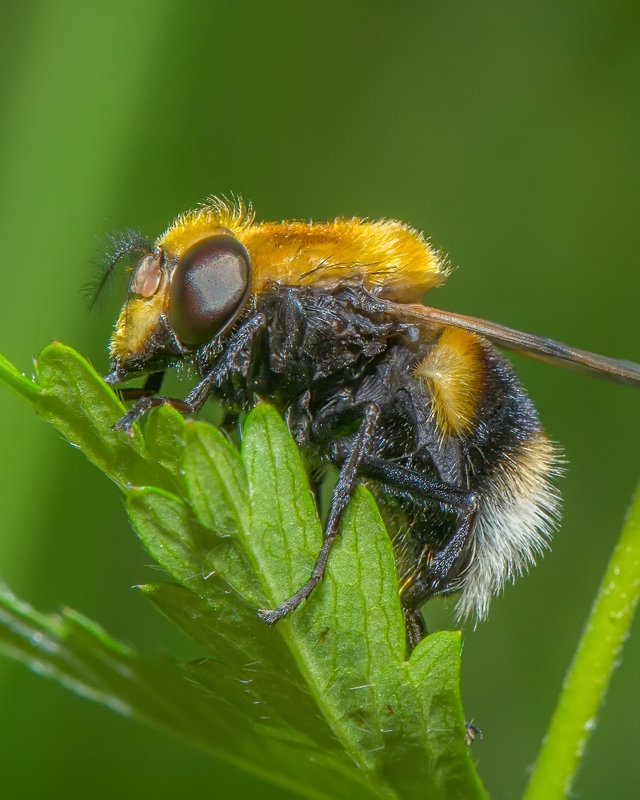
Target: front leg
{"points": [[227, 363], [149, 388], [125, 423], [342, 493]]}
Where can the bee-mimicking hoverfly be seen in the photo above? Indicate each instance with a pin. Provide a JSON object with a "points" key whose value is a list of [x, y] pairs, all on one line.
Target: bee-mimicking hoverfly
{"points": [[323, 320]]}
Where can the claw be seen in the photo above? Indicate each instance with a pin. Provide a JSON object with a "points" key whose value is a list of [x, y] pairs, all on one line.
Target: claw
{"points": [[270, 615], [124, 425]]}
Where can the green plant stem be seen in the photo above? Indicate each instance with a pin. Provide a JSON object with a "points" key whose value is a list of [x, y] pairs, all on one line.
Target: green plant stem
{"points": [[589, 675]]}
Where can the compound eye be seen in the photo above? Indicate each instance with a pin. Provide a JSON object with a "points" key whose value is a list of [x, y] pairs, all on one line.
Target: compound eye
{"points": [[208, 288]]}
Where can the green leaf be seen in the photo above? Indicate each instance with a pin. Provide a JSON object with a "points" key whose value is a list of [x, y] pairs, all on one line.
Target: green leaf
{"points": [[216, 480], [16, 381], [164, 436], [71, 395], [349, 637], [326, 701], [189, 702]]}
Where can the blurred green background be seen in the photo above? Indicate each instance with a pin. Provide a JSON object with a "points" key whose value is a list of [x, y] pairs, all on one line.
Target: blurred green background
{"points": [[507, 131]]}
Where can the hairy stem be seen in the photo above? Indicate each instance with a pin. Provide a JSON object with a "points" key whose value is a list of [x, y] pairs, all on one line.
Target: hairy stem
{"points": [[588, 677]]}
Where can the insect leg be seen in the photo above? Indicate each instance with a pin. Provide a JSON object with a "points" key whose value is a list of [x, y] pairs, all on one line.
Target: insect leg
{"points": [[414, 625], [412, 484], [341, 496], [227, 362], [125, 422], [198, 395], [150, 387]]}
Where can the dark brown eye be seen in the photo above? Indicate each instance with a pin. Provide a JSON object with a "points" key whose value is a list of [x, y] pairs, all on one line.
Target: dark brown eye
{"points": [[208, 288]]}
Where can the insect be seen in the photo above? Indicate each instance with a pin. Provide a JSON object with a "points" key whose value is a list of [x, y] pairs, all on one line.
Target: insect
{"points": [[324, 321]]}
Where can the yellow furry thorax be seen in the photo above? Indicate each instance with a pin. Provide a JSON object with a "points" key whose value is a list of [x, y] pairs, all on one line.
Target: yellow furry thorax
{"points": [[388, 258]]}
